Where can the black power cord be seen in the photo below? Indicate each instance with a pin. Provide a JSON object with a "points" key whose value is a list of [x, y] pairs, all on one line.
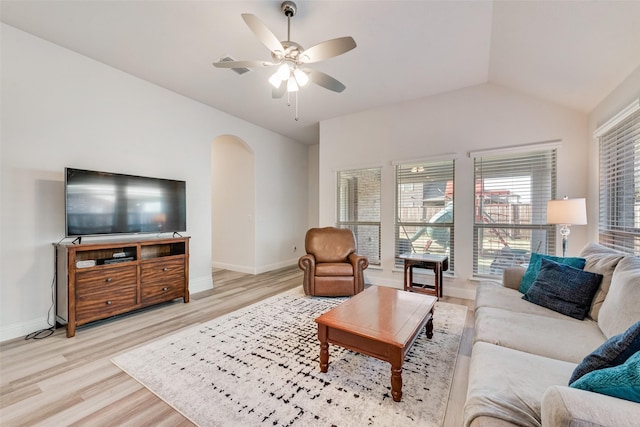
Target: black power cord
{"points": [[44, 333], [47, 332]]}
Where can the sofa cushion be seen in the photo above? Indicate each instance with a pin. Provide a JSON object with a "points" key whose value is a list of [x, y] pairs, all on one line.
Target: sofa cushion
{"points": [[565, 339], [535, 263], [508, 384], [620, 308], [622, 381], [491, 294], [601, 260], [615, 351], [564, 289]]}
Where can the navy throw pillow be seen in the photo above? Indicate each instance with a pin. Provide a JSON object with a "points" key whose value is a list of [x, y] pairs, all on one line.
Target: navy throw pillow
{"points": [[613, 352], [535, 263], [564, 289]]}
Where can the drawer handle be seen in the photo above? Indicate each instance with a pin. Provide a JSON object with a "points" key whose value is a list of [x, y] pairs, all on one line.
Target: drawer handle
{"points": [[109, 302], [108, 279], [165, 289], [165, 269]]}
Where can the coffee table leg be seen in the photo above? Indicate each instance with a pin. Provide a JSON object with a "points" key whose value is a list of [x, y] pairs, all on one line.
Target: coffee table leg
{"points": [[429, 326], [396, 358], [324, 348], [396, 383]]}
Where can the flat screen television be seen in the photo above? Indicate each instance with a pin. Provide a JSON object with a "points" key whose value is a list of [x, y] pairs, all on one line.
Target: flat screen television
{"points": [[100, 203]]}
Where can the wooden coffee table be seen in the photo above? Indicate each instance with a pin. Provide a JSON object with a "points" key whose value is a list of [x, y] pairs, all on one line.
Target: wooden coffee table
{"points": [[380, 322]]}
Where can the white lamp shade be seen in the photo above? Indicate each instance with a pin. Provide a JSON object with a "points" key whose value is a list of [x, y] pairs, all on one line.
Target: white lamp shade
{"points": [[284, 71], [301, 77], [567, 211], [275, 80], [292, 86]]}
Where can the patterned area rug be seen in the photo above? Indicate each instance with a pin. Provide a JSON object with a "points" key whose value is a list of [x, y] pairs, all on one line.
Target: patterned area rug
{"points": [[259, 366]]}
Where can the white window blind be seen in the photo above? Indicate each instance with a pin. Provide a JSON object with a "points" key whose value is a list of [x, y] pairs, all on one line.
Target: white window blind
{"points": [[619, 223], [358, 195], [511, 194], [424, 209]]}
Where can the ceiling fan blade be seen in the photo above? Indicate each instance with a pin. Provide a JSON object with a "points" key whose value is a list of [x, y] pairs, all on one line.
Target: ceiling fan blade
{"points": [[242, 64], [328, 49], [277, 93], [325, 80], [264, 34]]}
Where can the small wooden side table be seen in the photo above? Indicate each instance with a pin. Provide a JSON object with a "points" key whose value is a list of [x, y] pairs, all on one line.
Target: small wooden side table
{"points": [[437, 263]]}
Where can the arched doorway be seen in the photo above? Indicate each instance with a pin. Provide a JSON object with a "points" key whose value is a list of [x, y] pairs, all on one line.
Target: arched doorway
{"points": [[232, 204]]}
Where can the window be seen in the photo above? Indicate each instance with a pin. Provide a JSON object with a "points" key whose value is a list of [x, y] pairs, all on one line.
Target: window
{"points": [[511, 194], [619, 224], [359, 209], [424, 209]]}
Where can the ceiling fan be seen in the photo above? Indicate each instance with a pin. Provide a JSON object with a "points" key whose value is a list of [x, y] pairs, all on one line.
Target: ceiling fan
{"points": [[291, 58]]}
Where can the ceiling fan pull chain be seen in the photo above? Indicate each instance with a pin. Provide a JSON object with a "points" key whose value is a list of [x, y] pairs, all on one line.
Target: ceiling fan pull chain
{"points": [[297, 107], [288, 99]]}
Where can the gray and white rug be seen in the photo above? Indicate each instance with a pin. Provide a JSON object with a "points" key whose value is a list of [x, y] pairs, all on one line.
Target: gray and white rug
{"points": [[259, 366]]}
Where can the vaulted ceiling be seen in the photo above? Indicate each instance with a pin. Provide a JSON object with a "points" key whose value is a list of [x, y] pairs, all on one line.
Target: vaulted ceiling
{"points": [[572, 53]]}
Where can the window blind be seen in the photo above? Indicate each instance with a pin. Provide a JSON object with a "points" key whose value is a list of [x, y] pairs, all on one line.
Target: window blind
{"points": [[424, 209], [511, 194], [358, 195], [619, 219]]}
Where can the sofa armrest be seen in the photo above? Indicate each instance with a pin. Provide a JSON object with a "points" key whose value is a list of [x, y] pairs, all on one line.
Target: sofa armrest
{"points": [[512, 276], [565, 406]]}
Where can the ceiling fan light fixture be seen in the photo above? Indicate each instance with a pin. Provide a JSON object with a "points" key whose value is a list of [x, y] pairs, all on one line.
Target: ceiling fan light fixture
{"points": [[292, 86], [275, 80], [301, 77], [284, 71]]}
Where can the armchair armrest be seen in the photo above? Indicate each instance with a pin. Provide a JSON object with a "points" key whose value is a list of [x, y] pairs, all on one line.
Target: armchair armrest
{"points": [[565, 406], [512, 276], [307, 263], [359, 262]]}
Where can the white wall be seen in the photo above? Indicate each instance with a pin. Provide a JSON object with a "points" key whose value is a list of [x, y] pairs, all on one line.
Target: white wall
{"points": [[627, 92], [312, 187], [63, 109], [233, 205], [480, 117]]}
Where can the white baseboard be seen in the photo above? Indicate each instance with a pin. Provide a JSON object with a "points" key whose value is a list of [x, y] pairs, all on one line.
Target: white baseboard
{"points": [[234, 267], [256, 270], [199, 284], [276, 266], [22, 329]]}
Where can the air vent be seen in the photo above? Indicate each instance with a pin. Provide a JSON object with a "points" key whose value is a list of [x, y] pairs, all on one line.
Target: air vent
{"points": [[237, 70]]}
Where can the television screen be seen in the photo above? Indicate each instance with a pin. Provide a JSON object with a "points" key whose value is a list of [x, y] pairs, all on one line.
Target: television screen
{"points": [[110, 203]]}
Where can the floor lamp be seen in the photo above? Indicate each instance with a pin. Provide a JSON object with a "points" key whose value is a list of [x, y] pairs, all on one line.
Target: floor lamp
{"points": [[566, 212]]}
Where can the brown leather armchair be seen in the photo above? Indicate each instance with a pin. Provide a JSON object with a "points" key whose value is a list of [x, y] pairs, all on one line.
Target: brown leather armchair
{"points": [[331, 266]]}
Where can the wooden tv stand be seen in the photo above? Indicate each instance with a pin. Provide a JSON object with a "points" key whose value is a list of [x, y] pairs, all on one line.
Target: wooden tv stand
{"points": [[98, 280]]}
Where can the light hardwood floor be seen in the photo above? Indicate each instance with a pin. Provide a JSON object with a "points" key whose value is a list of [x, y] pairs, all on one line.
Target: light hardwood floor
{"points": [[70, 381]]}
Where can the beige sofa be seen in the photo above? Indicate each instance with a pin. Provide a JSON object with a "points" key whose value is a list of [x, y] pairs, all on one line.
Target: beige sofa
{"points": [[524, 354]]}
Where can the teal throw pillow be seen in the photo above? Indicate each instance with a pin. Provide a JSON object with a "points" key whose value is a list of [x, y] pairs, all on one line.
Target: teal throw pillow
{"points": [[613, 352], [564, 289], [622, 381], [534, 267]]}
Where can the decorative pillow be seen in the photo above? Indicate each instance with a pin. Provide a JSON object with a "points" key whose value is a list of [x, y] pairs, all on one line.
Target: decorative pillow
{"points": [[534, 267], [613, 352], [621, 381], [564, 289]]}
